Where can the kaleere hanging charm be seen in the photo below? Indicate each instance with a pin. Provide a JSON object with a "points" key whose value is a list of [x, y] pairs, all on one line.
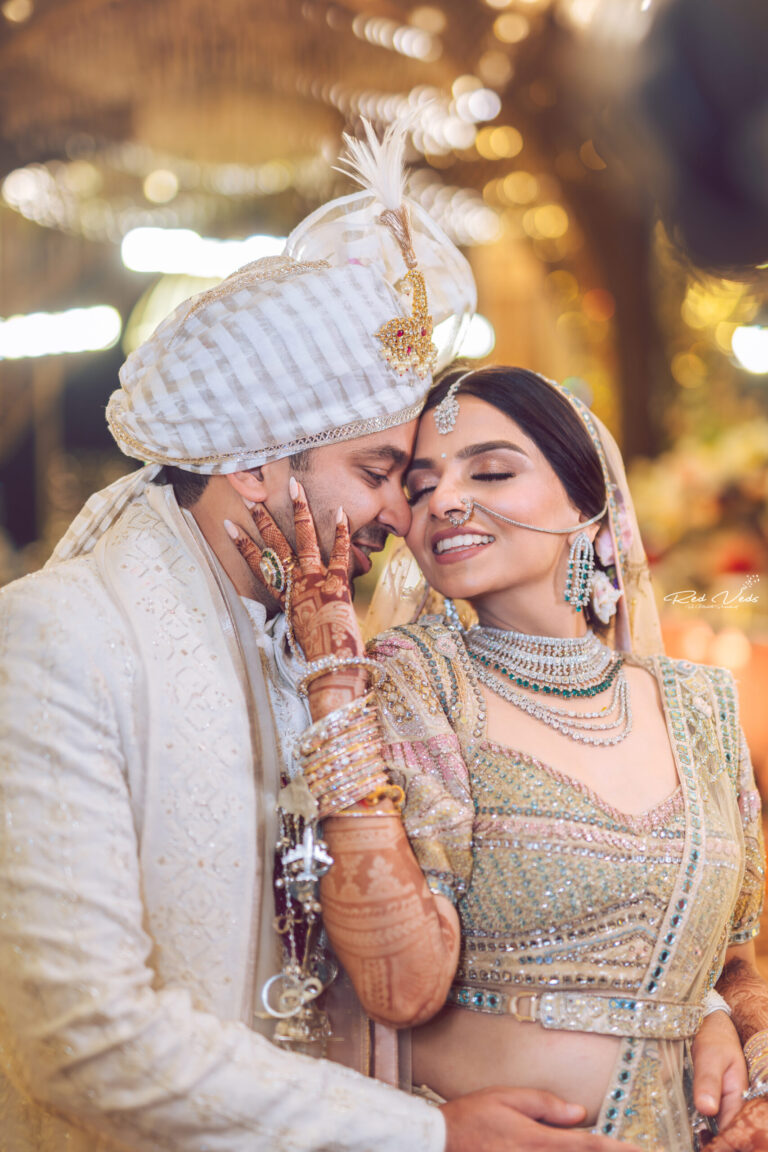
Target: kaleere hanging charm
{"points": [[290, 996]]}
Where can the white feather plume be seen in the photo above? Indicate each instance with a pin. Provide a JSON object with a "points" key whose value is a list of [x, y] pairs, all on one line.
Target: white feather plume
{"points": [[377, 165]]}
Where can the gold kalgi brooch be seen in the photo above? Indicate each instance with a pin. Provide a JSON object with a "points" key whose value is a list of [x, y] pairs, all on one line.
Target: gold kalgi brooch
{"points": [[378, 167], [407, 340]]}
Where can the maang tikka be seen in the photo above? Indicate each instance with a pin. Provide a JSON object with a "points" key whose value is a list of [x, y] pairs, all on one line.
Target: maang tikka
{"points": [[447, 411]]}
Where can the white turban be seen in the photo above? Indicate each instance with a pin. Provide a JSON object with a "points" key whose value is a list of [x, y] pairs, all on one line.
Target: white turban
{"points": [[280, 357], [285, 354]]}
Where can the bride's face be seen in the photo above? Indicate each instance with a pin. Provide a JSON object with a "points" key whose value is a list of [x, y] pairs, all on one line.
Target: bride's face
{"points": [[486, 457]]}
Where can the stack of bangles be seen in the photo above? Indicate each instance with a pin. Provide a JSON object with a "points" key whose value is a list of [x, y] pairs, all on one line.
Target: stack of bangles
{"points": [[328, 664], [341, 758], [756, 1056]]}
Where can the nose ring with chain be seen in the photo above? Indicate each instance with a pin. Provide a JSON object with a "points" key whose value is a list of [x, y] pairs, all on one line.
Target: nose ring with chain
{"points": [[456, 519], [459, 518]]}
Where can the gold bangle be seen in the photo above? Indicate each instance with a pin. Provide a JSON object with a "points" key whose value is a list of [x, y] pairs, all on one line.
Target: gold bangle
{"points": [[345, 796], [756, 1046], [331, 754], [345, 780], [345, 753], [756, 1056], [348, 760], [337, 723], [362, 784], [338, 742], [358, 724], [341, 758], [391, 792]]}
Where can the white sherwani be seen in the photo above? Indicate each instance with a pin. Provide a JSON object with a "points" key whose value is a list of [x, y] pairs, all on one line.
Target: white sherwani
{"points": [[138, 781]]}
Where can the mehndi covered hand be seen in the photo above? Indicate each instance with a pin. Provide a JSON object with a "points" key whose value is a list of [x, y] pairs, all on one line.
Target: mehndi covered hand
{"points": [[748, 1132], [320, 599]]}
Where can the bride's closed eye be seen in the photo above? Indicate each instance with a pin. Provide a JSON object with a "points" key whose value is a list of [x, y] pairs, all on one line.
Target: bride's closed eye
{"points": [[414, 496]]}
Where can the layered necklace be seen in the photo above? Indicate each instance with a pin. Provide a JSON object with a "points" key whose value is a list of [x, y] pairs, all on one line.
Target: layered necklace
{"points": [[548, 666]]}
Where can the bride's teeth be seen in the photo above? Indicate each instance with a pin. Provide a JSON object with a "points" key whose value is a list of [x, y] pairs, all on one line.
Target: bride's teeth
{"points": [[461, 542]]}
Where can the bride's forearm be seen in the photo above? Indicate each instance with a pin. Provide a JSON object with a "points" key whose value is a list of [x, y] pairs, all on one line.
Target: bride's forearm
{"points": [[745, 991], [398, 942], [335, 690]]}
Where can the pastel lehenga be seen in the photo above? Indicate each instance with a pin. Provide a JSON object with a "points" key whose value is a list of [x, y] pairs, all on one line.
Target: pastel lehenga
{"points": [[605, 922]]}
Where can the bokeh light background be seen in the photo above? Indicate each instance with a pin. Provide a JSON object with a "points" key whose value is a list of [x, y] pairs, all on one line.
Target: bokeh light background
{"points": [[147, 149]]}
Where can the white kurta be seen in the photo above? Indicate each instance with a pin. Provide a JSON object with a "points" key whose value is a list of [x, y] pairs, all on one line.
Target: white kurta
{"points": [[135, 811]]}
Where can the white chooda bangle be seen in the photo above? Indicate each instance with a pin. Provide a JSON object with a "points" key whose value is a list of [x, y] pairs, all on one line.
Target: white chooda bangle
{"points": [[714, 1002]]}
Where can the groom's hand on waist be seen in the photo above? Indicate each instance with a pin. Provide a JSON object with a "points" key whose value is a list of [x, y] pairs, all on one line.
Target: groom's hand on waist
{"points": [[520, 1120]]}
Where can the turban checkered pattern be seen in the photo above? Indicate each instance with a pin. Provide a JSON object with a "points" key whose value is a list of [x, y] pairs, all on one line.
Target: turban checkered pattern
{"points": [[280, 357]]}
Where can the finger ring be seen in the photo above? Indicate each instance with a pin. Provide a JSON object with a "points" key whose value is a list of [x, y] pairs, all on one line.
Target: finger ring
{"points": [[273, 570]]}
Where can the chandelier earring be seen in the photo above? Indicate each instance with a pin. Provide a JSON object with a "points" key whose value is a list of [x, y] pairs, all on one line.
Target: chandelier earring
{"points": [[581, 565]]}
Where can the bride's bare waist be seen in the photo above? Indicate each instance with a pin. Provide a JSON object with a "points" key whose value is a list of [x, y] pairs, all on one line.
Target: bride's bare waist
{"points": [[460, 1051]]}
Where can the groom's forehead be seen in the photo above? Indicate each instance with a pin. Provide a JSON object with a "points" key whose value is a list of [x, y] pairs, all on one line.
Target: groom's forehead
{"points": [[382, 453], [391, 448]]}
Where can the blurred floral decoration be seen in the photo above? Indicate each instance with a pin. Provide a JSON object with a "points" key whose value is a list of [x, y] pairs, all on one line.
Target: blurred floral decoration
{"points": [[703, 510]]}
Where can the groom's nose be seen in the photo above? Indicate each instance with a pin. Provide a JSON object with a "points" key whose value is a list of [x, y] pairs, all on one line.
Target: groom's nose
{"points": [[396, 514]]}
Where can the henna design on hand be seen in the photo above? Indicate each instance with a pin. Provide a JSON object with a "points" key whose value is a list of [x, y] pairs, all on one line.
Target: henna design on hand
{"points": [[748, 1132], [322, 614], [323, 618], [747, 994], [399, 943]]}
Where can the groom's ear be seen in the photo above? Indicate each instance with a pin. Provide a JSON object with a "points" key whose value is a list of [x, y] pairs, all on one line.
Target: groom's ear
{"points": [[249, 484]]}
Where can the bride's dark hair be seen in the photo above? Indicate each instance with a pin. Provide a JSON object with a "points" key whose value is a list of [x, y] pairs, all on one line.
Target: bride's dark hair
{"points": [[546, 416]]}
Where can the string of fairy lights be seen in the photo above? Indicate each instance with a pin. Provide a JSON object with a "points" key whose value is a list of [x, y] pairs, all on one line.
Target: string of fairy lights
{"points": [[125, 193], [178, 193]]}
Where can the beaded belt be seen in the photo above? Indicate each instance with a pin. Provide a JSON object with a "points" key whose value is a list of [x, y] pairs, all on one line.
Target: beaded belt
{"points": [[610, 1015]]}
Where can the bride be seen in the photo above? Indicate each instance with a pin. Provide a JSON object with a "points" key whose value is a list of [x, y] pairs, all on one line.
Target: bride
{"points": [[583, 856]]}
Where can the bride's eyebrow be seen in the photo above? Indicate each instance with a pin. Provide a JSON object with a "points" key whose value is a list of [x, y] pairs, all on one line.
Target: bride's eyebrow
{"points": [[489, 446]]}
